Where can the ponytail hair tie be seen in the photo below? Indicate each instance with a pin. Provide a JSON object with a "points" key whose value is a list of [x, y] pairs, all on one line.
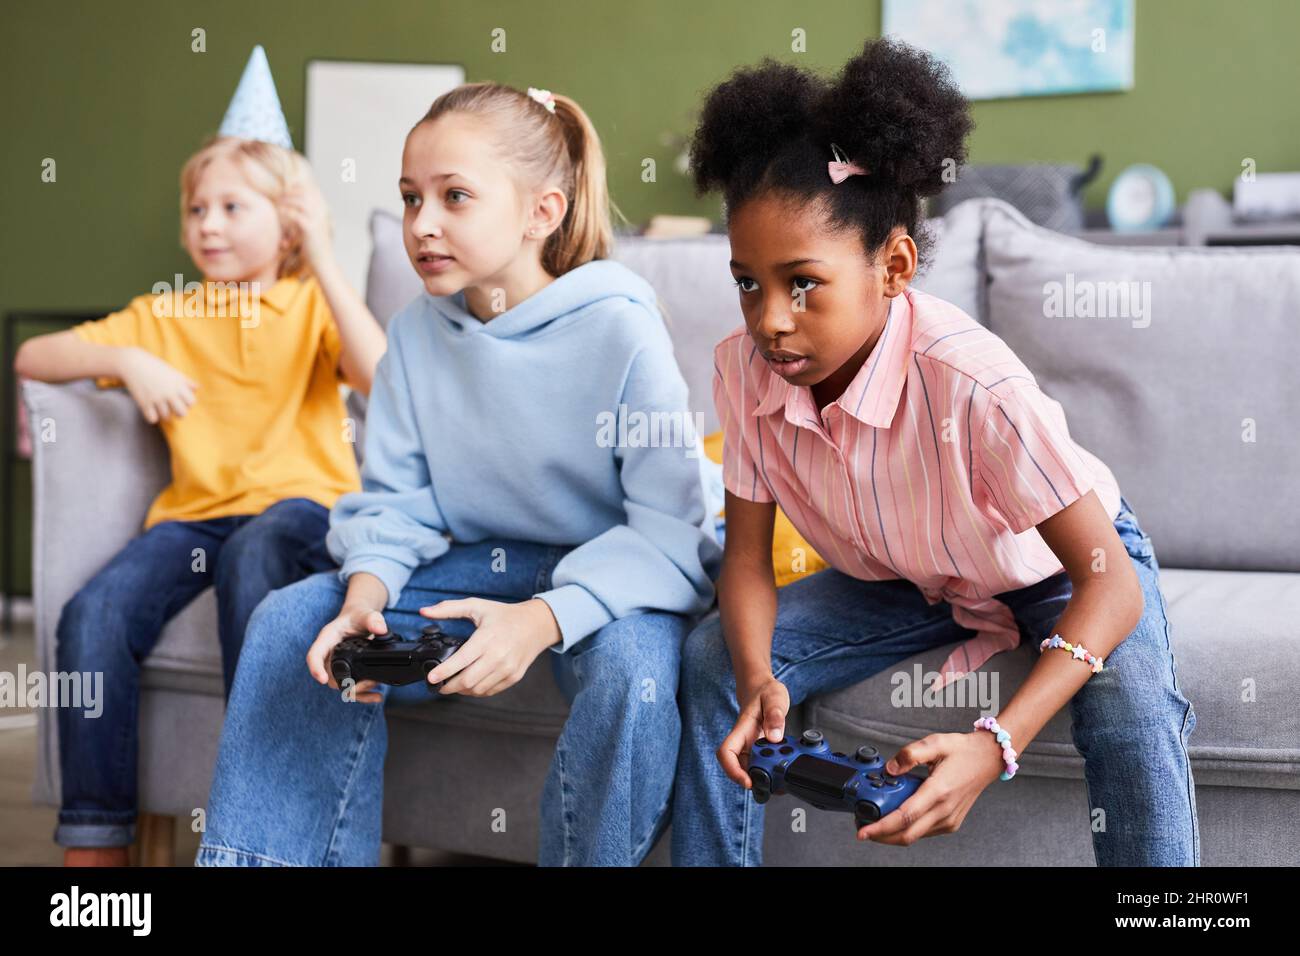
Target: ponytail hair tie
{"points": [[841, 169], [545, 97]]}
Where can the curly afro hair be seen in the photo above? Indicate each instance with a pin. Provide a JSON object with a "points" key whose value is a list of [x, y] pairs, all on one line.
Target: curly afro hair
{"points": [[892, 109]]}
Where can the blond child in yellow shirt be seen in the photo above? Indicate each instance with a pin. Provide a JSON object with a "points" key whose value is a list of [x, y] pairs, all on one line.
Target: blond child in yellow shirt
{"points": [[241, 372]]}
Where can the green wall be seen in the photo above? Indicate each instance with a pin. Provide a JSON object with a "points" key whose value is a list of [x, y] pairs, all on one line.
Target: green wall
{"points": [[112, 92]]}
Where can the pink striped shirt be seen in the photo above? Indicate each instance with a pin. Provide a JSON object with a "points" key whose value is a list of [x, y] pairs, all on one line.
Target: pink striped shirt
{"points": [[934, 466]]}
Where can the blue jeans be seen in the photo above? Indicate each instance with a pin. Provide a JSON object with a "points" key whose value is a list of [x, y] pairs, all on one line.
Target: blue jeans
{"points": [[299, 777], [1131, 722], [112, 624]]}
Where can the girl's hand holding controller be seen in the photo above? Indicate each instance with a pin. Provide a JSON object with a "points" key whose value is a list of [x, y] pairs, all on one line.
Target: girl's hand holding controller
{"points": [[159, 389], [507, 639], [961, 766], [763, 706], [353, 620]]}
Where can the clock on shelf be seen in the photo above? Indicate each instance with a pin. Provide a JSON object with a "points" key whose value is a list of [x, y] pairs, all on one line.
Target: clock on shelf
{"points": [[1141, 198]]}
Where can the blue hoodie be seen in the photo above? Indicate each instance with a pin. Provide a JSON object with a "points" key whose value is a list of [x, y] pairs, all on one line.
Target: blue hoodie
{"points": [[491, 429]]}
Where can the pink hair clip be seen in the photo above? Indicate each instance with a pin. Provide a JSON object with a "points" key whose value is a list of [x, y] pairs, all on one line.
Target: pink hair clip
{"points": [[841, 169], [545, 97]]}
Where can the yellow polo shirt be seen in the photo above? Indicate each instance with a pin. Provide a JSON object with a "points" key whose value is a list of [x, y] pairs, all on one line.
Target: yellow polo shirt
{"points": [[268, 422]]}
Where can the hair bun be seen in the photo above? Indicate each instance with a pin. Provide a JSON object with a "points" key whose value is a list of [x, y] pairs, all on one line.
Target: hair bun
{"points": [[897, 111], [746, 118]]}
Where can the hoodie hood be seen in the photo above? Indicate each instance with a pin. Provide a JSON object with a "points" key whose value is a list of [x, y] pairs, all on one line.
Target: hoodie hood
{"points": [[589, 284]]}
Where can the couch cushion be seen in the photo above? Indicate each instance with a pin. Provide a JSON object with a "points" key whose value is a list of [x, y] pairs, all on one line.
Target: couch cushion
{"points": [[693, 283], [956, 269], [391, 283], [1170, 393], [1238, 659], [1237, 676], [1232, 632]]}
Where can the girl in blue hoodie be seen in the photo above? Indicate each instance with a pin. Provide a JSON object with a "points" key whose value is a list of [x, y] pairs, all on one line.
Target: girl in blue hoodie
{"points": [[497, 499]]}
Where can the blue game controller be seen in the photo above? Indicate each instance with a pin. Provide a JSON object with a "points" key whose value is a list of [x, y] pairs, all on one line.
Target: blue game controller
{"points": [[808, 769]]}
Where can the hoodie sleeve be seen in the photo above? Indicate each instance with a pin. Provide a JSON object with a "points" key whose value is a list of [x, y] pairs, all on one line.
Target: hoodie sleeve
{"points": [[662, 558], [392, 526]]}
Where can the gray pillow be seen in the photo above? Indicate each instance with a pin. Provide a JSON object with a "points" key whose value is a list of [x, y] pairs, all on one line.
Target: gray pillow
{"points": [[1168, 362], [391, 281], [693, 283], [956, 269]]}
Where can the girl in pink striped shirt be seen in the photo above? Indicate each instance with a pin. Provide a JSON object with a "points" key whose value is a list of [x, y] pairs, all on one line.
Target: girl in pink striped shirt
{"points": [[917, 454]]}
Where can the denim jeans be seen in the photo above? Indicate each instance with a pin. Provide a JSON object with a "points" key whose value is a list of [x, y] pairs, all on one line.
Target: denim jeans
{"points": [[299, 776], [112, 624], [1131, 722]]}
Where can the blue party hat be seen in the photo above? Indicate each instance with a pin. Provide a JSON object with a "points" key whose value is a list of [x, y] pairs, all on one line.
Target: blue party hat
{"points": [[254, 111]]}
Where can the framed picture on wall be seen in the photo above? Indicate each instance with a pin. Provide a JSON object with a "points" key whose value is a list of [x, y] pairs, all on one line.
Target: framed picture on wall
{"points": [[1006, 48], [357, 117]]}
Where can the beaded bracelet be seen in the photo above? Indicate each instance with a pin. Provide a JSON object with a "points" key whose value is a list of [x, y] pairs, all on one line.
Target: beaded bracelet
{"points": [[1077, 651], [1003, 738]]}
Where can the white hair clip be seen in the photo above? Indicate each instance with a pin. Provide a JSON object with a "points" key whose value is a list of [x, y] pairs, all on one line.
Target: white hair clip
{"points": [[545, 97]]}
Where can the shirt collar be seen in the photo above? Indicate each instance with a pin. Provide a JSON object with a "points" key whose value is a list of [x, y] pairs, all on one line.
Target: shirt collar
{"points": [[281, 293], [872, 396], [278, 295]]}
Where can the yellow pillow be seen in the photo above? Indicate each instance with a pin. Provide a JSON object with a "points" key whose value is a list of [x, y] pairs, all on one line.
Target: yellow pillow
{"points": [[792, 557]]}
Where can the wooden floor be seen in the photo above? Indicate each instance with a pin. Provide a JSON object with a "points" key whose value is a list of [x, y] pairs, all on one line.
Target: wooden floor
{"points": [[27, 829]]}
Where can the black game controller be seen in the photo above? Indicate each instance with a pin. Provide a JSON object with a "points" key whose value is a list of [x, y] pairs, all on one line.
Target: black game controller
{"points": [[390, 659]]}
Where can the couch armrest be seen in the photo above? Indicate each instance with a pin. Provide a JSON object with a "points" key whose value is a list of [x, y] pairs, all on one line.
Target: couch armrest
{"points": [[96, 467]]}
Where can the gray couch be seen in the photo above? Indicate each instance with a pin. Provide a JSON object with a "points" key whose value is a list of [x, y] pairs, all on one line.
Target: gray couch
{"points": [[1193, 410]]}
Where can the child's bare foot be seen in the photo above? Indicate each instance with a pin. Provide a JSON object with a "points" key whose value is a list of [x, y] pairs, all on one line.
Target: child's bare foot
{"points": [[96, 856]]}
